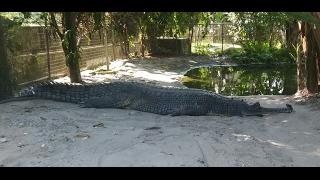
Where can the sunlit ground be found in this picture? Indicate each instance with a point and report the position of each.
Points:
(49, 133)
(212, 47)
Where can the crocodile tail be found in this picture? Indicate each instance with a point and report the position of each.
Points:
(25, 94)
(57, 91)
(287, 109)
(23, 98)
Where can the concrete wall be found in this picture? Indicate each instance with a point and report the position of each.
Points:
(171, 46)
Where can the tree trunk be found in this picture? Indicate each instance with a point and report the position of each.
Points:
(106, 48)
(113, 45)
(270, 40)
(301, 68)
(271, 33)
(6, 88)
(191, 36)
(127, 43)
(292, 36)
(142, 43)
(317, 40)
(70, 46)
(311, 55)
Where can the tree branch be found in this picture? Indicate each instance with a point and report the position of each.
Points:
(55, 25)
(79, 16)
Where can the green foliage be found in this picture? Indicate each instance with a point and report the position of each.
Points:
(186, 20)
(260, 32)
(170, 23)
(261, 35)
(16, 18)
(72, 55)
(258, 27)
(205, 49)
(219, 17)
(151, 25)
(233, 51)
(266, 55)
(11, 22)
(303, 16)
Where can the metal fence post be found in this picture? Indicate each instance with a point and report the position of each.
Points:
(212, 34)
(106, 47)
(48, 51)
(222, 37)
(113, 46)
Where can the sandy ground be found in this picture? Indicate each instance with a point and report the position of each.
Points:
(48, 133)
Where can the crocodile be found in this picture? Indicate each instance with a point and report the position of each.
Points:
(146, 97)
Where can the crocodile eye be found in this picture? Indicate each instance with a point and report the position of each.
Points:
(257, 104)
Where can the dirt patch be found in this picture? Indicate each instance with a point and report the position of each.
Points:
(48, 133)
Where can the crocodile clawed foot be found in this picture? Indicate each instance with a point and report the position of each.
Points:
(174, 114)
(290, 107)
(259, 115)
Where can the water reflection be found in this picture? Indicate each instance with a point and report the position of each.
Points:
(244, 80)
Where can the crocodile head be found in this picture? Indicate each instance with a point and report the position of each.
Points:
(29, 91)
(257, 110)
(252, 110)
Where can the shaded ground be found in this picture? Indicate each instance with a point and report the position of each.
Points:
(48, 133)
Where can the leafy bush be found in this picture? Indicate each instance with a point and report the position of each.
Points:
(259, 54)
(203, 49)
(232, 51)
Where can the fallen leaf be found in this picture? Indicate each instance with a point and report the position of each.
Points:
(98, 125)
(152, 128)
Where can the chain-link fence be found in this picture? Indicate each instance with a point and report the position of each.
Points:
(215, 37)
(40, 56)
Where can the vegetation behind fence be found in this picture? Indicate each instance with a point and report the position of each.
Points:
(34, 60)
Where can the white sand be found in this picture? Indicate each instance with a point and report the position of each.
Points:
(48, 133)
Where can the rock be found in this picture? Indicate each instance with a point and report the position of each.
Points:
(82, 135)
(28, 110)
(42, 118)
(166, 153)
(20, 145)
(67, 139)
(132, 113)
(3, 140)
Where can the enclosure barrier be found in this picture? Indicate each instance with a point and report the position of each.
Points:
(40, 55)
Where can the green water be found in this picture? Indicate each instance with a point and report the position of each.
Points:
(244, 80)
